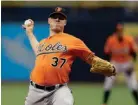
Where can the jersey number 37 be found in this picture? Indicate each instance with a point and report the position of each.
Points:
(56, 61)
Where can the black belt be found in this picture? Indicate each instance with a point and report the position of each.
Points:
(47, 88)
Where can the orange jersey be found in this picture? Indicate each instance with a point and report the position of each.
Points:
(55, 57)
(120, 51)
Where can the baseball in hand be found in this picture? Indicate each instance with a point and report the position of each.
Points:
(28, 22)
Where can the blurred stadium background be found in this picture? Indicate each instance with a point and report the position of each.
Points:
(91, 21)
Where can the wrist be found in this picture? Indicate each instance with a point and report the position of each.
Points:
(29, 33)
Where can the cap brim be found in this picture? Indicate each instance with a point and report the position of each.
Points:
(59, 13)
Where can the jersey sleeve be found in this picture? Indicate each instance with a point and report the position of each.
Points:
(42, 41)
(133, 46)
(82, 51)
(107, 47)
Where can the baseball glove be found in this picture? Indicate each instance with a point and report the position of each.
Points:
(103, 67)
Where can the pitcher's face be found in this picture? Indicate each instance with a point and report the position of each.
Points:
(57, 23)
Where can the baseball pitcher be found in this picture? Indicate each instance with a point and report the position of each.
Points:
(121, 50)
(54, 58)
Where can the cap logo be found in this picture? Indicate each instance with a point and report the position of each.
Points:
(58, 9)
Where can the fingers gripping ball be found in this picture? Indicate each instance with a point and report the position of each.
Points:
(103, 67)
(28, 25)
(28, 22)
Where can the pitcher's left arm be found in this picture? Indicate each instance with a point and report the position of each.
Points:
(98, 65)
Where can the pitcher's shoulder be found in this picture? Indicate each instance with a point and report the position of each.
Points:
(71, 37)
(42, 40)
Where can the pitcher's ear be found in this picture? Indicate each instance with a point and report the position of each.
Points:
(65, 22)
(49, 20)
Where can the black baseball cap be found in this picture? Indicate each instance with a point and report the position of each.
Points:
(58, 14)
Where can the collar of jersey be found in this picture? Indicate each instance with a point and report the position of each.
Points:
(54, 35)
